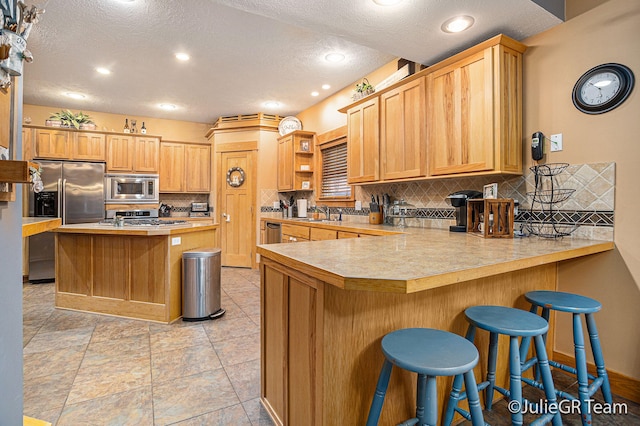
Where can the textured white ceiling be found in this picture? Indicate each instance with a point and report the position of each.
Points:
(244, 52)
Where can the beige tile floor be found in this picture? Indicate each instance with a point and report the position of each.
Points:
(86, 369)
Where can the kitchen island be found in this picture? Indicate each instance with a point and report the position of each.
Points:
(327, 304)
(130, 271)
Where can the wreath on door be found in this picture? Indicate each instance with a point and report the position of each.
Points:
(235, 176)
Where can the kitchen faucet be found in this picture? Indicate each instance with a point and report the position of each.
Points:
(326, 212)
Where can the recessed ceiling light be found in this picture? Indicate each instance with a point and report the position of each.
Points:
(334, 57)
(74, 95)
(271, 104)
(168, 107)
(182, 56)
(315, 93)
(457, 24)
(326, 87)
(104, 71)
(386, 2)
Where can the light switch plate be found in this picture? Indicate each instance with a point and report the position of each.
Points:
(176, 241)
(556, 142)
(358, 205)
(276, 204)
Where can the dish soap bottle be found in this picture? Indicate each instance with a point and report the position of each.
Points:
(143, 129)
(126, 125)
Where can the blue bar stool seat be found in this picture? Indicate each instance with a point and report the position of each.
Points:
(514, 323)
(429, 353)
(576, 305)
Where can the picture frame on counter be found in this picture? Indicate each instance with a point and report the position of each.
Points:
(304, 145)
(306, 184)
(490, 191)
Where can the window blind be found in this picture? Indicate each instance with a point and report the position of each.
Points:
(334, 172)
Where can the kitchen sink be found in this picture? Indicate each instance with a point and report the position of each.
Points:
(310, 219)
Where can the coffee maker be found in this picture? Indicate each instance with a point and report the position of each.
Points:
(459, 201)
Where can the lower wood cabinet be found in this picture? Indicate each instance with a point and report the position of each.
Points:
(291, 371)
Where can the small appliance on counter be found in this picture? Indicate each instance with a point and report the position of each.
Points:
(459, 201)
(165, 210)
(302, 207)
(199, 210)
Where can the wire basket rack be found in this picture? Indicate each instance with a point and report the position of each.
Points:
(546, 193)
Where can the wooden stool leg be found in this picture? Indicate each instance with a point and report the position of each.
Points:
(515, 385)
(491, 369)
(598, 358)
(456, 388)
(581, 368)
(473, 399)
(381, 391)
(547, 380)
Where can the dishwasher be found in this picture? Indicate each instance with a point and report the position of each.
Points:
(273, 233)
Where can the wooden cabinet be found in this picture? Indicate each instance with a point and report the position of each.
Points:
(403, 139)
(295, 161)
(318, 234)
(119, 153)
(475, 114)
(61, 144)
(460, 116)
(291, 340)
(197, 160)
(363, 137)
(52, 144)
(294, 233)
(88, 146)
(185, 167)
(133, 154)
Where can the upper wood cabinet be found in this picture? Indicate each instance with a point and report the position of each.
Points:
(296, 161)
(88, 146)
(62, 144)
(403, 139)
(171, 167)
(185, 167)
(53, 143)
(363, 137)
(197, 160)
(474, 112)
(462, 115)
(133, 154)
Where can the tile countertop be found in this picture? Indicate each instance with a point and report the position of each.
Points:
(95, 228)
(36, 225)
(421, 259)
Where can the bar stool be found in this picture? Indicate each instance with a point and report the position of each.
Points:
(576, 305)
(514, 323)
(429, 353)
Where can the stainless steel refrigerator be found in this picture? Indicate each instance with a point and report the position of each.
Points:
(74, 192)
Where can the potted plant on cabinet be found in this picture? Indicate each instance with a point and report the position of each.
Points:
(66, 118)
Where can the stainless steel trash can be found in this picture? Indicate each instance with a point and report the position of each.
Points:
(201, 284)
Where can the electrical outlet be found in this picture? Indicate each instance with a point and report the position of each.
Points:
(176, 241)
(556, 142)
(358, 205)
(276, 204)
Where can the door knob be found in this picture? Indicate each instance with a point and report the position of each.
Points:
(227, 217)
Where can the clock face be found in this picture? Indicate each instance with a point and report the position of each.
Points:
(603, 88)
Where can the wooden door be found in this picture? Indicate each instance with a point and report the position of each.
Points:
(119, 153)
(146, 155)
(237, 210)
(461, 121)
(171, 167)
(197, 160)
(52, 144)
(403, 139)
(363, 134)
(89, 146)
(285, 163)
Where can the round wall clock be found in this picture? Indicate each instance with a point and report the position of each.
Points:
(603, 88)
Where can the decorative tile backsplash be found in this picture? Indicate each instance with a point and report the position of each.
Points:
(182, 202)
(591, 205)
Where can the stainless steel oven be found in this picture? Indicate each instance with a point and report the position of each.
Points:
(133, 189)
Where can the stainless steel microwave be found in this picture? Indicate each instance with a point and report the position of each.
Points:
(133, 189)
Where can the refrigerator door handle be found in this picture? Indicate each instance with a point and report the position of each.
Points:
(64, 196)
(59, 188)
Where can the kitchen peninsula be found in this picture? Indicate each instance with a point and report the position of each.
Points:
(326, 305)
(131, 271)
